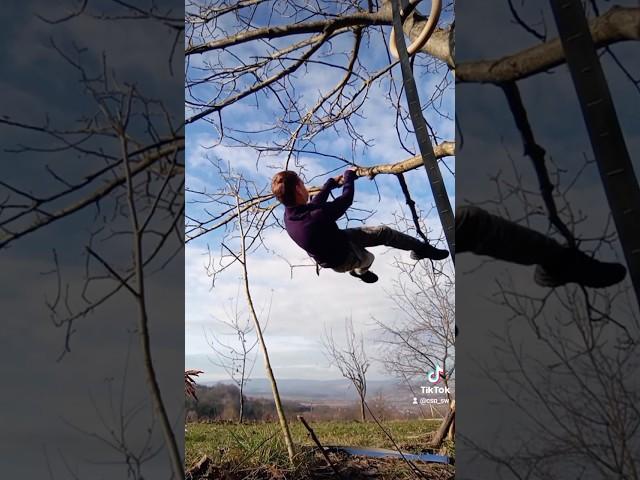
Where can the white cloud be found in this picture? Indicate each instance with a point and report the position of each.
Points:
(303, 304)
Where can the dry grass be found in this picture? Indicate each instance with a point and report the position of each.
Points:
(257, 451)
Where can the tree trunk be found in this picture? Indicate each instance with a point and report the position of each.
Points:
(444, 426)
(272, 379)
(171, 443)
(263, 346)
(452, 430)
(616, 171)
(241, 412)
(363, 416)
(242, 381)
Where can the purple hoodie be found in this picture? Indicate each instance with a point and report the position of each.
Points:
(313, 226)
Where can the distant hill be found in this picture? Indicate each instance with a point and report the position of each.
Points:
(325, 392)
(318, 399)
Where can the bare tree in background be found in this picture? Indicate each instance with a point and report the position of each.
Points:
(129, 178)
(239, 242)
(235, 355)
(574, 391)
(338, 40)
(567, 373)
(422, 338)
(351, 360)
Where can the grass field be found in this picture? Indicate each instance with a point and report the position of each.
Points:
(259, 445)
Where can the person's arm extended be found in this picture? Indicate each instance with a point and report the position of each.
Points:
(321, 197)
(339, 206)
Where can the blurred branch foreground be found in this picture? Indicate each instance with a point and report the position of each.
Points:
(101, 186)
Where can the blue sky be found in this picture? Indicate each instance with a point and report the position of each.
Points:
(305, 305)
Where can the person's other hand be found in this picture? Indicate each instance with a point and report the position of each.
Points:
(350, 173)
(339, 179)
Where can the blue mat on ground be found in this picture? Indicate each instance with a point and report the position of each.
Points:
(386, 453)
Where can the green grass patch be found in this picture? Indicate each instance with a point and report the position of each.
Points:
(262, 443)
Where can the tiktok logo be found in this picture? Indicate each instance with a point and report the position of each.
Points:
(435, 375)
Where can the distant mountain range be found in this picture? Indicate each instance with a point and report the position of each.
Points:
(329, 392)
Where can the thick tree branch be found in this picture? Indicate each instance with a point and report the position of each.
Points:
(353, 20)
(196, 228)
(148, 160)
(437, 46)
(445, 149)
(617, 25)
(537, 154)
(264, 83)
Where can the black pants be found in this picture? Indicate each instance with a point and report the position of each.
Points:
(360, 259)
(482, 233)
(477, 231)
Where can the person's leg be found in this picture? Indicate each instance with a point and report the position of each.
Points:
(482, 233)
(358, 263)
(364, 259)
(383, 235)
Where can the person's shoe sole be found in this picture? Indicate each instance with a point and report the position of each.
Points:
(432, 254)
(367, 277)
(543, 279)
(616, 274)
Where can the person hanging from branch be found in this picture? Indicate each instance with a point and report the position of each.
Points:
(482, 233)
(312, 226)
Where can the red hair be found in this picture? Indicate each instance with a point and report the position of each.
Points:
(283, 186)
